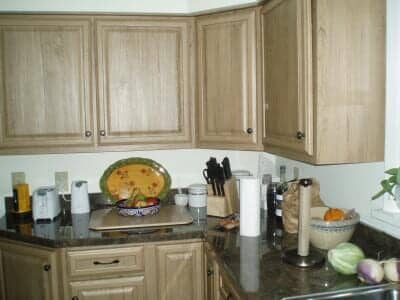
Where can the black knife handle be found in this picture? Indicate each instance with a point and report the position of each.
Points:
(206, 176)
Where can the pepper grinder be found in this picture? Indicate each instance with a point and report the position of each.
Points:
(303, 256)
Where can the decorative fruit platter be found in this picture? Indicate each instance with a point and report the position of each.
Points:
(136, 185)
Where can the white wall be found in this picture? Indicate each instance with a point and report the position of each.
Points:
(347, 185)
(184, 166)
(122, 6)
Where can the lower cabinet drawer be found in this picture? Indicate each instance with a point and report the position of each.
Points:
(131, 288)
(105, 261)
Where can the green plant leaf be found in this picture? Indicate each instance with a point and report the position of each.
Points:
(392, 179)
(398, 176)
(393, 171)
(378, 194)
(387, 187)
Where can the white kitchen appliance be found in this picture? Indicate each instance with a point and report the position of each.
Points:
(79, 197)
(45, 203)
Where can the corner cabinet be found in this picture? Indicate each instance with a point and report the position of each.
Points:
(45, 82)
(228, 99)
(145, 83)
(28, 272)
(180, 271)
(324, 79)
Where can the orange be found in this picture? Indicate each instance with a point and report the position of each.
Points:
(334, 214)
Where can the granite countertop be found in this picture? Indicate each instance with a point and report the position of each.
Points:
(73, 230)
(253, 264)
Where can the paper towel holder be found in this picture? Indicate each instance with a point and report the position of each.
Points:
(302, 256)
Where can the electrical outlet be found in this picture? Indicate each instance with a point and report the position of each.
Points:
(61, 181)
(17, 177)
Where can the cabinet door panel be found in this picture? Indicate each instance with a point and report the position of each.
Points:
(144, 81)
(227, 71)
(180, 272)
(131, 288)
(287, 75)
(17, 262)
(45, 81)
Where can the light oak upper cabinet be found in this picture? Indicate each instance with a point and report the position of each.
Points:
(45, 82)
(28, 273)
(180, 271)
(323, 79)
(145, 68)
(227, 89)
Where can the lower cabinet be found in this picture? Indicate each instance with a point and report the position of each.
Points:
(218, 284)
(172, 270)
(131, 288)
(28, 273)
(180, 271)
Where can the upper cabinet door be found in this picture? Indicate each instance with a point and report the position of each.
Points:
(227, 89)
(144, 78)
(287, 76)
(45, 81)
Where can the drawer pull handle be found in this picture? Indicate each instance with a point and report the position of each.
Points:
(116, 261)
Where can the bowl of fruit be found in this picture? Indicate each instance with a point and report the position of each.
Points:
(138, 205)
(331, 226)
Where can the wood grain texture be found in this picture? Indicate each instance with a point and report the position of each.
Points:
(45, 77)
(131, 288)
(287, 72)
(81, 263)
(227, 92)
(350, 76)
(18, 261)
(346, 123)
(144, 76)
(180, 271)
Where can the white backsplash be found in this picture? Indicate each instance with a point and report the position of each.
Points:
(184, 166)
(348, 185)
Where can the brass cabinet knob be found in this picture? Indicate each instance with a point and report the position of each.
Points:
(88, 133)
(102, 132)
(249, 130)
(300, 135)
(210, 272)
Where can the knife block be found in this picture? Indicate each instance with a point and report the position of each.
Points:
(223, 206)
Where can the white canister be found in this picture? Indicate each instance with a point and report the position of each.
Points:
(198, 202)
(79, 197)
(197, 195)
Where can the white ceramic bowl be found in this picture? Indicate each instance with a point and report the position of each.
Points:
(328, 234)
(181, 199)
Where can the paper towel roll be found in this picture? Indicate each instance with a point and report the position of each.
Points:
(250, 263)
(250, 206)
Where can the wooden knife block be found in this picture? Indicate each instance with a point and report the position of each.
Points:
(223, 206)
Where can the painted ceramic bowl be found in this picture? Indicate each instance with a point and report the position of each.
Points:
(137, 211)
(328, 234)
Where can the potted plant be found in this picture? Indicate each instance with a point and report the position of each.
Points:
(393, 182)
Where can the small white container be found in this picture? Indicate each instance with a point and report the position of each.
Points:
(198, 202)
(198, 195)
(181, 199)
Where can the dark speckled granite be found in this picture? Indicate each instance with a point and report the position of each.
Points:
(256, 267)
(253, 264)
(72, 231)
